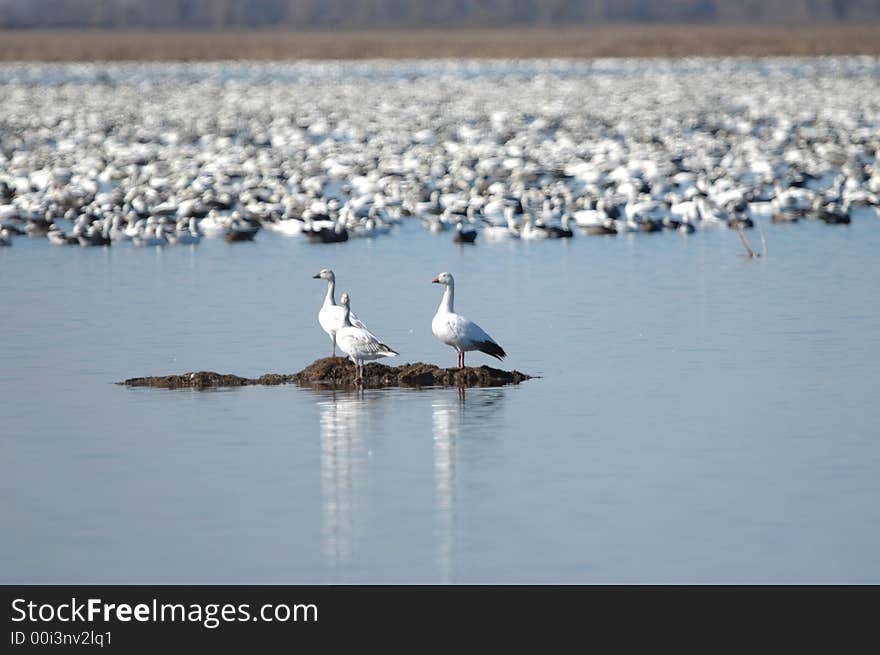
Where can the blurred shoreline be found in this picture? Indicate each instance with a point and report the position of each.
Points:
(604, 41)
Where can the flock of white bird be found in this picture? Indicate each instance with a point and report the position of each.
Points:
(354, 339)
(165, 154)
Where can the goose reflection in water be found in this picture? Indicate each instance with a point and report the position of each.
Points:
(452, 417)
(348, 423)
(345, 420)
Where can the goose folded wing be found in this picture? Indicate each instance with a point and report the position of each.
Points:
(364, 342)
(356, 322)
(473, 335)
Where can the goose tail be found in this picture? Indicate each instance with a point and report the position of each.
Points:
(387, 351)
(492, 348)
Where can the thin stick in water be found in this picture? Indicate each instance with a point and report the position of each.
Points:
(763, 242)
(745, 241)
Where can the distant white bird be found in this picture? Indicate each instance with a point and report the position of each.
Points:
(117, 231)
(455, 330)
(330, 316)
(358, 343)
(532, 232)
(590, 218)
(135, 228)
(186, 233)
(286, 226)
(213, 225)
(508, 231)
(153, 235)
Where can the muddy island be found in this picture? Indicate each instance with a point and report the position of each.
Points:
(338, 373)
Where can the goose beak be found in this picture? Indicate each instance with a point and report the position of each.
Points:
(436, 280)
(316, 276)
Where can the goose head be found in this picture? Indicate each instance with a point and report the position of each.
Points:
(444, 278)
(324, 274)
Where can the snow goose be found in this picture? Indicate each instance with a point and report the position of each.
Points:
(39, 226)
(95, 235)
(794, 199)
(431, 205)
(336, 234)
(186, 234)
(834, 213)
(153, 236)
(59, 238)
(606, 227)
(455, 330)
(135, 226)
(434, 223)
(563, 232)
(213, 225)
(330, 315)
(358, 343)
(590, 218)
(15, 230)
(286, 226)
(532, 232)
(240, 230)
(709, 212)
(464, 235)
(596, 221)
(495, 211)
(508, 231)
(117, 231)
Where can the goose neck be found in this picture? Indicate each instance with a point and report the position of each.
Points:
(330, 298)
(446, 303)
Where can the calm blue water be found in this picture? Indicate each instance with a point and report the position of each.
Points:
(701, 417)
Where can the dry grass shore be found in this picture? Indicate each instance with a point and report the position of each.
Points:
(608, 41)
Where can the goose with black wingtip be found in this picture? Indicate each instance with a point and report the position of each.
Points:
(457, 331)
(358, 343)
(330, 316)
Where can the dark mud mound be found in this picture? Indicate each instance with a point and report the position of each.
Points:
(338, 373)
(198, 380)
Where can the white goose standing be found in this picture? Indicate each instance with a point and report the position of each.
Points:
(330, 315)
(358, 343)
(455, 330)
